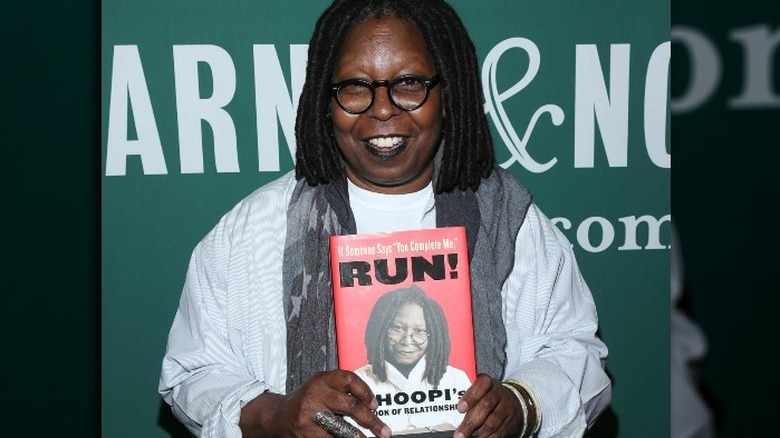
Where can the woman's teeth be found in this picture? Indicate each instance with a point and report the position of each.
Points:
(385, 142)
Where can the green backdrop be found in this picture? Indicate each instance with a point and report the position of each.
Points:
(197, 100)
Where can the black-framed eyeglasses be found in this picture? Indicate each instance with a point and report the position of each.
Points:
(356, 96)
(397, 333)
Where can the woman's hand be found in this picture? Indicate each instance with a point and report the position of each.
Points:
(490, 408)
(292, 415)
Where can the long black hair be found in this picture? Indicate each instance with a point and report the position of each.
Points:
(467, 154)
(383, 313)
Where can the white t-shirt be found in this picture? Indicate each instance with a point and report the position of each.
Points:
(376, 212)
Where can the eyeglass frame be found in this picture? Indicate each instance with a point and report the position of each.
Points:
(428, 83)
(406, 332)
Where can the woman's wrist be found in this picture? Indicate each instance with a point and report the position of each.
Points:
(523, 408)
(531, 414)
(254, 420)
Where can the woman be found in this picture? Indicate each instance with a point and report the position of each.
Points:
(391, 134)
(408, 346)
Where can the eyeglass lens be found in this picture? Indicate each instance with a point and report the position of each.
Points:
(398, 333)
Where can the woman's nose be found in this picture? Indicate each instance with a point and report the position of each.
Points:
(383, 107)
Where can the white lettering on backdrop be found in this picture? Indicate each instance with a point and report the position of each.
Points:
(593, 103)
(272, 101)
(598, 102)
(597, 234)
(128, 89)
(192, 110)
(495, 109)
(760, 47)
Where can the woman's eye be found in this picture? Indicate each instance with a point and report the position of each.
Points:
(409, 85)
(354, 90)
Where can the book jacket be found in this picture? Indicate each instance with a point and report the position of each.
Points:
(402, 304)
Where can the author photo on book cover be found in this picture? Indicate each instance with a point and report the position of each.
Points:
(391, 134)
(408, 348)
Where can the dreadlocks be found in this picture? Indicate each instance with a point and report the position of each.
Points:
(382, 315)
(467, 146)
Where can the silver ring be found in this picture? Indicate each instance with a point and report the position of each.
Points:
(336, 425)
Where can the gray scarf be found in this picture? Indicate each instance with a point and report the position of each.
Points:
(492, 216)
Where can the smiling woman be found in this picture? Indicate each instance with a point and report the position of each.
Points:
(402, 325)
(408, 346)
(391, 135)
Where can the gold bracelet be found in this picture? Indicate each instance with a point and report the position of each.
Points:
(523, 407)
(534, 413)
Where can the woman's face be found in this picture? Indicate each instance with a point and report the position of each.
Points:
(407, 337)
(387, 149)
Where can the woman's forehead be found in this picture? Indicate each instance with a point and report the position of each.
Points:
(384, 41)
(408, 309)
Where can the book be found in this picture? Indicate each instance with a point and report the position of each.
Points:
(403, 318)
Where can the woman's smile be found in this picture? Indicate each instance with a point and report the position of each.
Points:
(386, 147)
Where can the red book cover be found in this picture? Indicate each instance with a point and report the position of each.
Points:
(404, 322)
